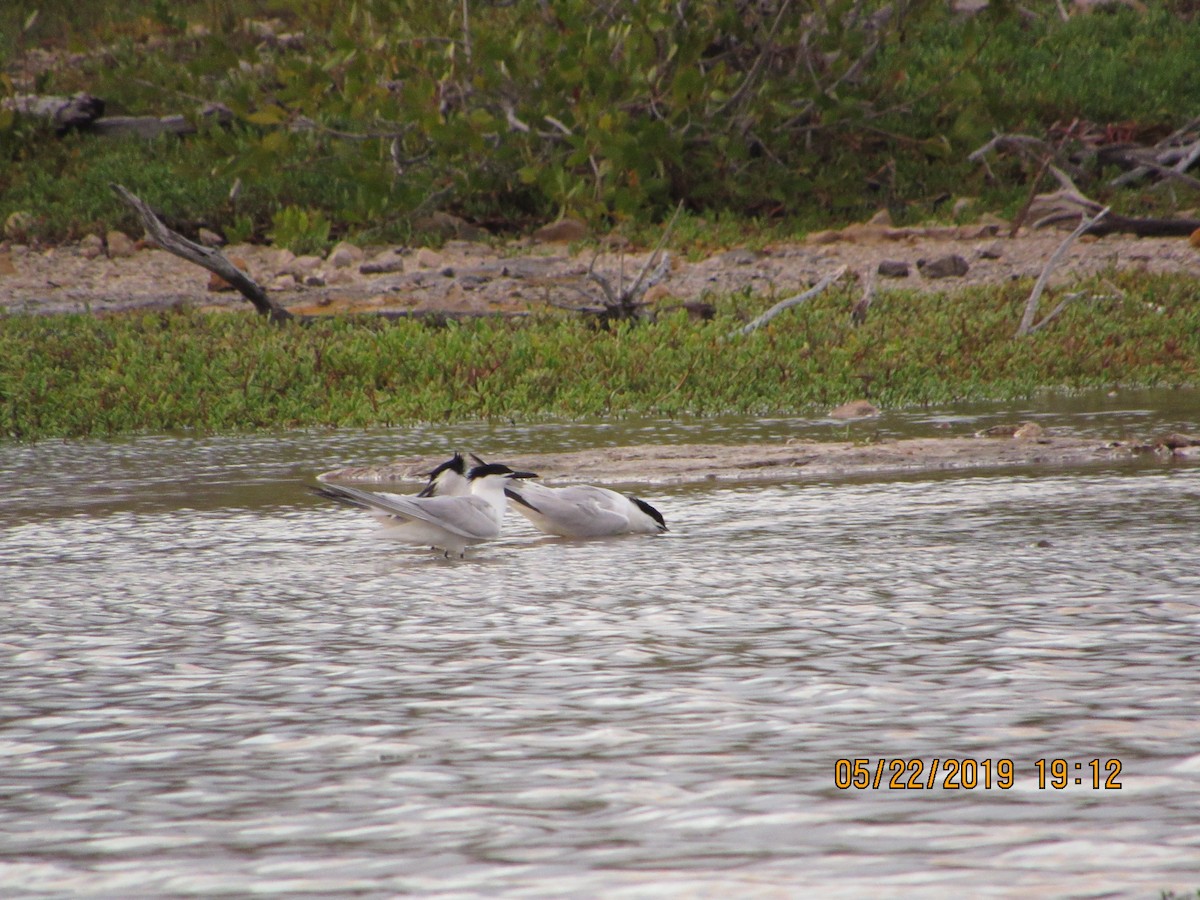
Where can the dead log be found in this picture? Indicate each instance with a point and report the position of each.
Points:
(205, 257)
(64, 113)
(1069, 204)
(1149, 227)
(141, 126)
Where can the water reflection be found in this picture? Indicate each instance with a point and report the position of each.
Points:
(213, 682)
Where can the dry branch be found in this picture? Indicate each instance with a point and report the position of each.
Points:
(1035, 295)
(205, 257)
(858, 314)
(789, 303)
(623, 302)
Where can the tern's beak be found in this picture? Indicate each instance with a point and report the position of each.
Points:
(523, 475)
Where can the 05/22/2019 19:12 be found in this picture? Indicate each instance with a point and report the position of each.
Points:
(954, 773)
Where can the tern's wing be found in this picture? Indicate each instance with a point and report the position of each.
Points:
(466, 516)
(472, 517)
(577, 511)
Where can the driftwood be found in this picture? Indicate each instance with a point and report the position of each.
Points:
(205, 257)
(1035, 295)
(789, 303)
(64, 113)
(141, 126)
(1068, 204)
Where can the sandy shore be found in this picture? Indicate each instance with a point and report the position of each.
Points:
(704, 463)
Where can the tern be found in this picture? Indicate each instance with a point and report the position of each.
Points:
(449, 524)
(582, 510)
(449, 479)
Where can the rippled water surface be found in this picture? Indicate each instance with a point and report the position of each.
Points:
(213, 682)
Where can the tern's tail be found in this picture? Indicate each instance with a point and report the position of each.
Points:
(351, 497)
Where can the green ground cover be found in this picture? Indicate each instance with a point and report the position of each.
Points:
(81, 375)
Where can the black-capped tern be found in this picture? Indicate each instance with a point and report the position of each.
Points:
(449, 524)
(582, 510)
(448, 480)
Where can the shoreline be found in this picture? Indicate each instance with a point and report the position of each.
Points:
(688, 464)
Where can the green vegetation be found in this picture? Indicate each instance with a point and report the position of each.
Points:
(356, 120)
(509, 114)
(85, 375)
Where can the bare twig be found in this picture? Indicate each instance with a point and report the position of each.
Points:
(858, 314)
(205, 257)
(1009, 142)
(663, 263)
(740, 91)
(466, 30)
(1053, 314)
(622, 301)
(789, 303)
(1019, 219)
(1035, 295)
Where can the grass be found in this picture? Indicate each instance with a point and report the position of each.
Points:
(76, 376)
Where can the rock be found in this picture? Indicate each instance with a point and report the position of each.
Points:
(91, 246)
(1176, 440)
(282, 264)
(341, 276)
(699, 310)
(1029, 431)
(893, 268)
(949, 266)
(219, 114)
(282, 283)
(428, 259)
(314, 279)
(1023, 431)
(855, 409)
(120, 245)
(656, 293)
(17, 225)
(344, 255)
(383, 264)
(563, 230)
(883, 217)
(824, 237)
(738, 257)
(217, 284)
(303, 265)
(991, 251)
(210, 238)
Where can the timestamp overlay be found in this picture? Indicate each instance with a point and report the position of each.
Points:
(944, 685)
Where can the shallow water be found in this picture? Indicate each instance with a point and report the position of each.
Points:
(214, 682)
